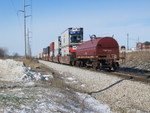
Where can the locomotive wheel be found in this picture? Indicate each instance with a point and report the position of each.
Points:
(100, 66)
(95, 65)
(78, 63)
(81, 64)
(73, 63)
(114, 66)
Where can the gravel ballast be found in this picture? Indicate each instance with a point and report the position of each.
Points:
(127, 96)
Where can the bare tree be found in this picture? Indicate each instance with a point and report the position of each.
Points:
(16, 55)
(3, 52)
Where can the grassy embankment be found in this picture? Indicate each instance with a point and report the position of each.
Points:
(34, 64)
(138, 59)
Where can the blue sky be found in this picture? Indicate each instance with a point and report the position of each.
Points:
(51, 17)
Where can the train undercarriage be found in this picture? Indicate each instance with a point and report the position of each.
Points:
(96, 64)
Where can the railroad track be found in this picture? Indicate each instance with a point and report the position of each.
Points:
(137, 77)
(124, 74)
(131, 75)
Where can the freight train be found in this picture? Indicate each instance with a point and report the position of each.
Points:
(69, 48)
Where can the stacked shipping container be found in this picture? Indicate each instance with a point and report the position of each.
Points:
(99, 52)
(46, 53)
(51, 51)
(64, 47)
(57, 47)
(71, 38)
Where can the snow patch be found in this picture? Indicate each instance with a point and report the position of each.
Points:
(83, 85)
(92, 104)
(11, 70)
(70, 78)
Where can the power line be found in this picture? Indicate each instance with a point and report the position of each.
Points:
(30, 53)
(13, 5)
(16, 12)
(27, 44)
(25, 27)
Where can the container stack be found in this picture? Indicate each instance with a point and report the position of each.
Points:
(51, 51)
(71, 38)
(57, 47)
(46, 53)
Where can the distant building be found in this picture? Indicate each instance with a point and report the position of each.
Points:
(143, 46)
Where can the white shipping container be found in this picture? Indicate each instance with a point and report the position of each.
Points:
(51, 53)
(56, 45)
(39, 56)
(65, 51)
(65, 38)
(56, 52)
(72, 36)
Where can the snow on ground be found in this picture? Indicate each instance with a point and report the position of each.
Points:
(51, 101)
(91, 104)
(11, 70)
(32, 96)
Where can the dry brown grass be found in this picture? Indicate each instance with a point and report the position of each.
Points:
(57, 81)
(29, 62)
(35, 65)
(138, 56)
(137, 60)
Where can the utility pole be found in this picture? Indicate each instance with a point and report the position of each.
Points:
(25, 32)
(25, 41)
(127, 41)
(28, 44)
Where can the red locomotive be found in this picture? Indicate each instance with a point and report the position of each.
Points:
(99, 52)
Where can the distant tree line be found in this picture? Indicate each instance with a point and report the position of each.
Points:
(3, 52)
